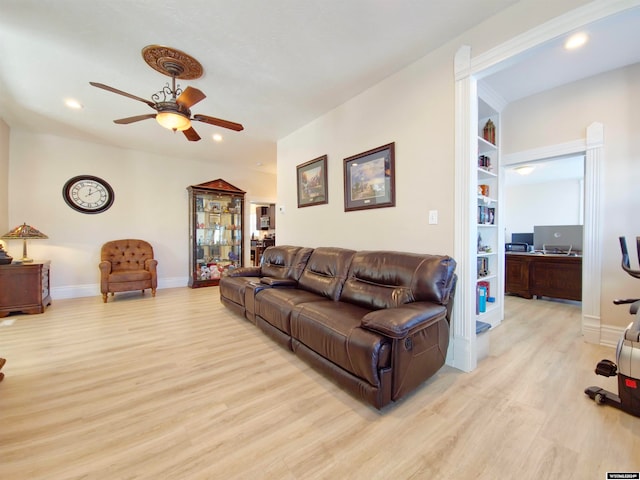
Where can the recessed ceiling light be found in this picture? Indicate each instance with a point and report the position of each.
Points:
(259, 164)
(217, 137)
(71, 103)
(576, 40)
(525, 169)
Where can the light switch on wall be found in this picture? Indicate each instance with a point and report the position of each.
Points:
(433, 217)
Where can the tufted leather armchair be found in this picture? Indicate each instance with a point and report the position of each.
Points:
(127, 265)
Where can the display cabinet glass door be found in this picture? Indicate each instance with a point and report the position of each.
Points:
(216, 234)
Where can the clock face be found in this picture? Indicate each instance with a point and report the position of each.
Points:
(88, 194)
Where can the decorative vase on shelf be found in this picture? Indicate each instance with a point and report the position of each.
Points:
(489, 132)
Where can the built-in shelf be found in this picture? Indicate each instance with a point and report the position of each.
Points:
(484, 173)
(490, 266)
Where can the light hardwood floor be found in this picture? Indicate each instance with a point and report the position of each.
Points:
(177, 387)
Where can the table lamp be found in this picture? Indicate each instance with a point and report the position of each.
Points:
(24, 232)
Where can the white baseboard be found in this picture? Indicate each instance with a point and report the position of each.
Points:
(173, 282)
(75, 291)
(92, 290)
(459, 355)
(609, 335)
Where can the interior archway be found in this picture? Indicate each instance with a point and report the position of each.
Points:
(468, 71)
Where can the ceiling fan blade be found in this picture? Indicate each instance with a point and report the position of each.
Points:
(120, 92)
(219, 122)
(137, 118)
(190, 97)
(191, 134)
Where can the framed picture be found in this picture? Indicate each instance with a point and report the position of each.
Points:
(369, 179)
(211, 206)
(312, 182)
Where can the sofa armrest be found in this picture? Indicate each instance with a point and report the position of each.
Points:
(278, 282)
(401, 321)
(151, 264)
(245, 272)
(105, 270)
(105, 267)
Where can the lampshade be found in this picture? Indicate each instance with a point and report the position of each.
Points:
(173, 121)
(24, 232)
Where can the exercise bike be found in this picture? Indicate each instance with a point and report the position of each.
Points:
(627, 354)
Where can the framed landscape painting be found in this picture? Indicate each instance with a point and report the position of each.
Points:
(369, 179)
(312, 182)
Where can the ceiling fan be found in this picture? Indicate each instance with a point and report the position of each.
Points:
(172, 104)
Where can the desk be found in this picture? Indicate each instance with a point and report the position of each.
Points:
(556, 276)
(24, 287)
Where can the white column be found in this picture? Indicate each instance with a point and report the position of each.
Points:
(463, 354)
(592, 248)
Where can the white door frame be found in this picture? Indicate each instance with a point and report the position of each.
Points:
(468, 71)
(592, 147)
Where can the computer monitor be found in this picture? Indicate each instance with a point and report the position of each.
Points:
(522, 238)
(558, 238)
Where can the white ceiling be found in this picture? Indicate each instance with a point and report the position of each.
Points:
(271, 65)
(547, 170)
(614, 42)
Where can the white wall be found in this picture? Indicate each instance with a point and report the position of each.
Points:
(415, 109)
(398, 110)
(4, 178)
(550, 203)
(151, 203)
(562, 115)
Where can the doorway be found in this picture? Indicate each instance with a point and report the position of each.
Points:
(468, 72)
(262, 222)
(543, 198)
(545, 191)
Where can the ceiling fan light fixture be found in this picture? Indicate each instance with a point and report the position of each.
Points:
(173, 121)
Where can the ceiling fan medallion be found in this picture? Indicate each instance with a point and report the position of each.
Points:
(172, 62)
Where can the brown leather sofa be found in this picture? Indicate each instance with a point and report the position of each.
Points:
(376, 322)
(127, 265)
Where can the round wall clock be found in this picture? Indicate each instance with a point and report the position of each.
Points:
(88, 194)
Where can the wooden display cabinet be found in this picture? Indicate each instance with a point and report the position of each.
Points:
(216, 231)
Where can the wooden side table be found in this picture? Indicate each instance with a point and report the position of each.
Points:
(24, 287)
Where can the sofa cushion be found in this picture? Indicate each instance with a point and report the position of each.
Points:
(274, 305)
(385, 279)
(326, 271)
(284, 261)
(129, 276)
(233, 288)
(332, 329)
